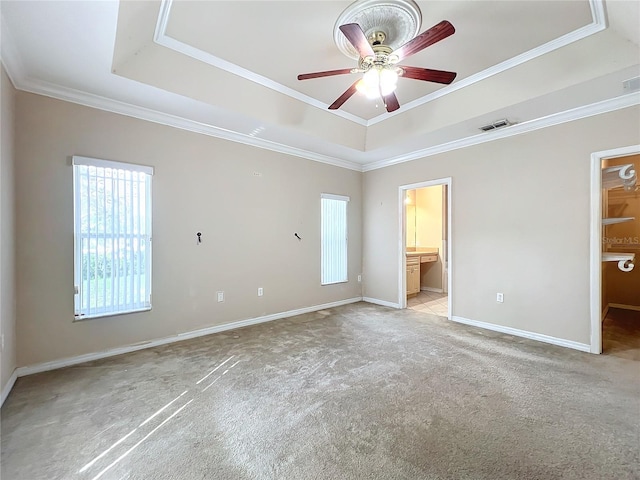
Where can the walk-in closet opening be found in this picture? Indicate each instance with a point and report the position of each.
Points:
(620, 287)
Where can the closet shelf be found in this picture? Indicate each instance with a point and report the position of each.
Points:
(619, 176)
(612, 221)
(625, 260)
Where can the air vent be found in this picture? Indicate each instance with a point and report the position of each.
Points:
(631, 85)
(497, 124)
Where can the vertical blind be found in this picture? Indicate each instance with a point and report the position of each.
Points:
(112, 237)
(333, 234)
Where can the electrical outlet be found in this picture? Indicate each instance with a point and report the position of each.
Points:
(221, 296)
(359, 278)
(499, 297)
(260, 291)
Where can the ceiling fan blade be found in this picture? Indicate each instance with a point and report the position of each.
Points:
(391, 102)
(436, 33)
(327, 73)
(344, 97)
(428, 75)
(356, 36)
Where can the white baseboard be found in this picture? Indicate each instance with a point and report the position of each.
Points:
(384, 303)
(583, 347)
(624, 307)
(66, 362)
(6, 389)
(430, 289)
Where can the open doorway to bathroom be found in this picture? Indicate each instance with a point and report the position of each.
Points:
(426, 249)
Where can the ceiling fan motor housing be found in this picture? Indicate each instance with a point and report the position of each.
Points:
(384, 22)
(377, 37)
(383, 59)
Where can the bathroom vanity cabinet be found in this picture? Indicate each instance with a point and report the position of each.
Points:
(414, 261)
(413, 275)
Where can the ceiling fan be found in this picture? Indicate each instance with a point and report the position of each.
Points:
(378, 63)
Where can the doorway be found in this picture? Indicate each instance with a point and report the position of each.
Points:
(425, 278)
(615, 252)
(621, 250)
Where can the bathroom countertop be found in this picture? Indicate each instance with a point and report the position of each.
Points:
(422, 251)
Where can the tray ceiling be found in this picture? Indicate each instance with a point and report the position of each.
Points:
(277, 41)
(214, 68)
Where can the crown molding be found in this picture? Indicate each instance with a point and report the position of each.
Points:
(597, 24)
(598, 108)
(14, 67)
(143, 113)
(10, 59)
(115, 106)
(161, 38)
(598, 13)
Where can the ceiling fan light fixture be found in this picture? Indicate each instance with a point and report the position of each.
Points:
(368, 89)
(378, 81)
(388, 80)
(377, 54)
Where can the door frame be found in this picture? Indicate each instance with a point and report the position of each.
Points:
(596, 239)
(402, 239)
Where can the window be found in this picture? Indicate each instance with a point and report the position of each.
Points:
(333, 234)
(112, 237)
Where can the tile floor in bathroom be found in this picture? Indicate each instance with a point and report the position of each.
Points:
(429, 302)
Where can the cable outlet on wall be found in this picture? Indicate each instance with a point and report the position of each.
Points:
(260, 291)
(220, 296)
(499, 297)
(359, 278)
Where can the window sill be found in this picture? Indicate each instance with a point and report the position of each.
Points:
(82, 318)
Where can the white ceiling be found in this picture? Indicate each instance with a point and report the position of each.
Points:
(228, 68)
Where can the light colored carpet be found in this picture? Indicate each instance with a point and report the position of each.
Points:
(357, 392)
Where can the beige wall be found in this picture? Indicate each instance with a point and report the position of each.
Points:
(200, 184)
(429, 233)
(623, 288)
(517, 228)
(7, 271)
(520, 224)
(410, 218)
